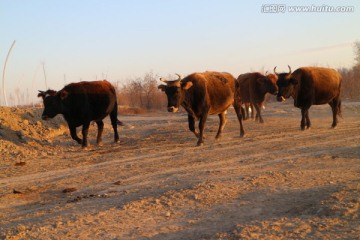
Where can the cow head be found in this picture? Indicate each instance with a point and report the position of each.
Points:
(175, 92)
(286, 84)
(268, 83)
(52, 102)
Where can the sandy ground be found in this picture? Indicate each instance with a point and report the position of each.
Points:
(275, 183)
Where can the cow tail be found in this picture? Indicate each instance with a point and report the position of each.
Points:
(120, 123)
(339, 109)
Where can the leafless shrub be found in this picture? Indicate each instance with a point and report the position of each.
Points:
(140, 93)
(351, 77)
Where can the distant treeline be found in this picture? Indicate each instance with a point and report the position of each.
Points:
(142, 94)
(351, 77)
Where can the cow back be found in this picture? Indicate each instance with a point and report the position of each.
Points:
(213, 91)
(317, 85)
(93, 100)
(246, 87)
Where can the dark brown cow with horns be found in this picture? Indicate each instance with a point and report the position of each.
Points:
(80, 103)
(251, 88)
(311, 86)
(202, 94)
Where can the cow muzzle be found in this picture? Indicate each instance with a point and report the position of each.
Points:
(173, 109)
(281, 98)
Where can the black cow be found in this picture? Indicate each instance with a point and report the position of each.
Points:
(202, 94)
(80, 103)
(311, 86)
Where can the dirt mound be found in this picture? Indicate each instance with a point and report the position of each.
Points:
(22, 131)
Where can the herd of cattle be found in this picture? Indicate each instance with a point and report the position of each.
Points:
(200, 94)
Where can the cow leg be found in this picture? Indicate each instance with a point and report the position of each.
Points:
(258, 113)
(252, 110)
(308, 122)
(305, 120)
(85, 130)
(223, 121)
(114, 123)
(239, 113)
(335, 107)
(246, 115)
(74, 135)
(202, 121)
(191, 121)
(100, 125)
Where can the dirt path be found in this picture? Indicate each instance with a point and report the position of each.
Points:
(276, 183)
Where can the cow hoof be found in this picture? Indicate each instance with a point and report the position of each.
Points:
(85, 147)
(199, 144)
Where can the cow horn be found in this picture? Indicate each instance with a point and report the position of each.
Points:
(266, 73)
(289, 69)
(178, 76)
(163, 80)
(275, 71)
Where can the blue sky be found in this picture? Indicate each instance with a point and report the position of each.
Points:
(124, 39)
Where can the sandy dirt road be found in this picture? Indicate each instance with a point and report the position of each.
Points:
(275, 183)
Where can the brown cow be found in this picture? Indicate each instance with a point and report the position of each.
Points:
(80, 103)
(202, 94)
(252, 88)
(311, 86)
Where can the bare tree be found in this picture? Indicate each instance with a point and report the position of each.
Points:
(350, 86)
(141, 93)
(133, 92)
(149, 88)
(17, 96)
(43, 65)
(357, 53)
(3, 77)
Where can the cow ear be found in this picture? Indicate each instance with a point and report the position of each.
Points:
(41, 94)
(294, 81)
(162, 87)
(187, 85)
(63, 94)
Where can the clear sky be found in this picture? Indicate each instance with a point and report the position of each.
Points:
(121, 39)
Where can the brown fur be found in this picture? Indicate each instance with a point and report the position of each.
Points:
(202, 94)
(311, 86)
(252, 88)
(80, 103)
